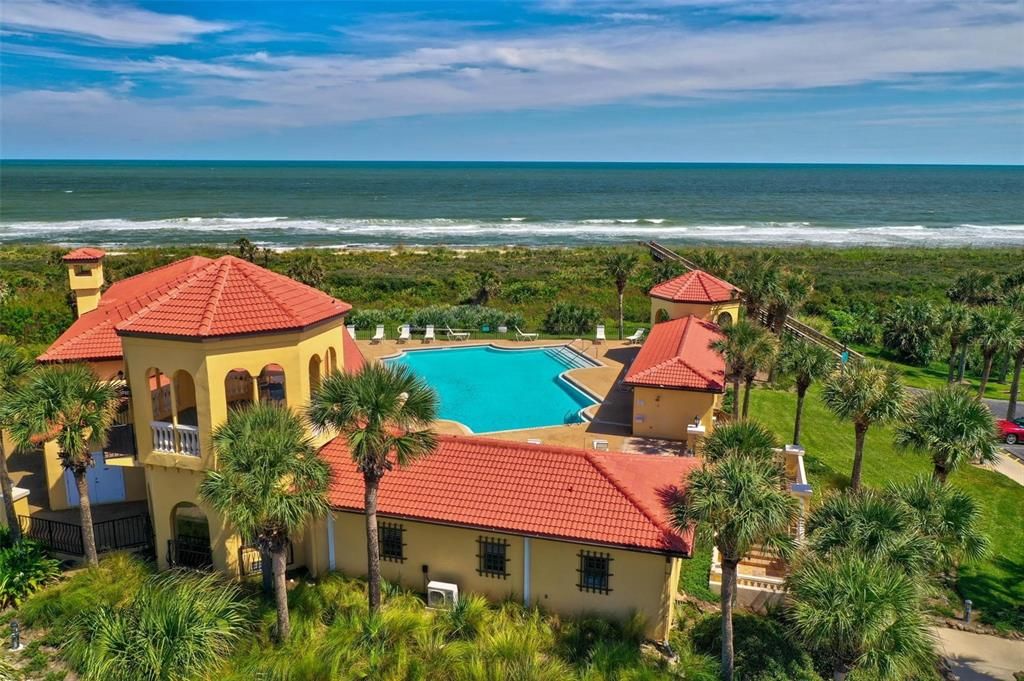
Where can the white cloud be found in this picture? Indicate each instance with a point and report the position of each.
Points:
(114, 24)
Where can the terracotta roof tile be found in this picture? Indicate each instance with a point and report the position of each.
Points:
(595, 497)
(84, 255)
(352, 355)
(678, 354)
(696, 287)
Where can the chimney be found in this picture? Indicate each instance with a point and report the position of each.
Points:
(85, 275)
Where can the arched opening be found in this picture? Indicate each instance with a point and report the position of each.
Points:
(159, 394)
(270, 385)
(190, 543)
(332, 360)
(314, 374)
(238, 388)
(661, 315)
(724, 319)
(185, 398)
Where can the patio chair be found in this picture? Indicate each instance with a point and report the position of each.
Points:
(526, 336)
(351, 328)
(601, 445)
(404, 333)
(428, 335)
(533, 441)
(599, 336)
(636, 337)
(378, 335)
(456, 335)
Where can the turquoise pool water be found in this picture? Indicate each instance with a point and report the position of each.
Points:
(489, 389)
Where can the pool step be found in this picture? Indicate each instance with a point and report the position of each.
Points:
(568, 358)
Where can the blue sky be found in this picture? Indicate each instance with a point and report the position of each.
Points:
(897, 81)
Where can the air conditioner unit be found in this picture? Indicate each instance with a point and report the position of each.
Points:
(442, 594)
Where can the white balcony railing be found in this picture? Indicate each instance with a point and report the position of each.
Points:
(171, 439)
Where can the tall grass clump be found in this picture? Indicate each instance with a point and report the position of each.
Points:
(25, 568)
(178, 626)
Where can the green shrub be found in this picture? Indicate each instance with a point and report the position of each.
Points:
(566, 319)
(367, 319)
(763, 650)
(178, 625)
(910, 331)
(853, 327)
(24, 568)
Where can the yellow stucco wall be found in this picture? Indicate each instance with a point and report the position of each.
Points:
(57, 492)
(709, 312)
(640, 582)
(665, 414)
(20, 505)
(86, 280)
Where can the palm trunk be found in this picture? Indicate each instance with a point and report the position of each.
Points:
(267, 569)
(85, 508)
(940, 473)
(859, 431)
(989, 356)
(1011, 406)
(728, 595)
(963, 362)
(735, 397)
(748, 383)
(801, 393)
(620, 316)
(7, 488)
(372, 544)
(280, 559)
(839, 672)
(952, 362)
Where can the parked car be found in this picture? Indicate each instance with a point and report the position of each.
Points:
(1012, 431)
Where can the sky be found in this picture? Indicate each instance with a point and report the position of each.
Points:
(856, 81)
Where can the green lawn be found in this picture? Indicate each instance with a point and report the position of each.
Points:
(934, 375)
(996, 585)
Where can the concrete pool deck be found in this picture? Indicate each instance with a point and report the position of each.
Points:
(611, 417)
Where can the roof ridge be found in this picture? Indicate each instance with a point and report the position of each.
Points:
(174, 289)
(162, 267)
(214, 299)
(248, 268)
(624, 491)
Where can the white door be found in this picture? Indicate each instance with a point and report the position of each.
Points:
(106, 483)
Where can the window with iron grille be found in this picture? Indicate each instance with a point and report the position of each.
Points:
(493, 557)
(595, 572)
(392, 546)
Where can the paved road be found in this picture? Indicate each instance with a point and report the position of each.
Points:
(998, 408)
(977, 657)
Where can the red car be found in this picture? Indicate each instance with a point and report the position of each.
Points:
(1012, 431)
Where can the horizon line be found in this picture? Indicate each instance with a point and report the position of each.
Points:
(509, 162)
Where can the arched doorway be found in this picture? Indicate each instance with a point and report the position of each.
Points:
(314, 374)
(724, 320)
(190, 545)
(238, 388)
(271, 385)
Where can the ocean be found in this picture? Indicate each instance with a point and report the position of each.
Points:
(382, 204)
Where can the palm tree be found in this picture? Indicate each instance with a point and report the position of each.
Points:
(865, 394)
(957, 320)
(487, 285)
(741, 438)
(70, 405)
(742, 343)
(996, 330)
(14, 368)
(859, 613)
(947, 516)
(759, 279)
(619, 266)
(738, 503)
(951, 425)
(806, 363)
(793, 289)
(385, 412)
(269, 483)
(973, 288)
(760, 357)
(1015, 299)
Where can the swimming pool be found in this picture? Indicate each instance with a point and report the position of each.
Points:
(487, 389)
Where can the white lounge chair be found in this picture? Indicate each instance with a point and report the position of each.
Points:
(526, 336)
(601, 445)
(599, 336)
(456, 335)
(378, 335)
(351, 328)
(636, 338)
(404, 333)
(428, 335)
(533, 441)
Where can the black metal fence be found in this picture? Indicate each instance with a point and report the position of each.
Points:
(192, 554)
(132, 532)
(250, 561)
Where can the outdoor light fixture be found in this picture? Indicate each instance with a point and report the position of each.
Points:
(15, 635)
(967, 610)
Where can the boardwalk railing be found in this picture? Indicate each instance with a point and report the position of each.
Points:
(793, 326)
(133, 532)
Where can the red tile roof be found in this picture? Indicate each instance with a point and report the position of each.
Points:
(352, 356)
(230, 296)
(536, 490)
(92, 336)
(678, 355)
(696, 287)
(251, 299)
(84, 255)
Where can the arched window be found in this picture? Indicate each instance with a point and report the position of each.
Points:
(314, 374)
(332, 360)
(238, 388)
(185, 398)
(724, 320)
(271, 384)
(159, 394)
(661, 315)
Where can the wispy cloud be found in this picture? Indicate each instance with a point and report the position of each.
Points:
(113, 24)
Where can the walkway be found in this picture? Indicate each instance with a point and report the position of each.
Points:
(978, 657)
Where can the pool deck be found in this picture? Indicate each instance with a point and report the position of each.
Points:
(611, 417)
